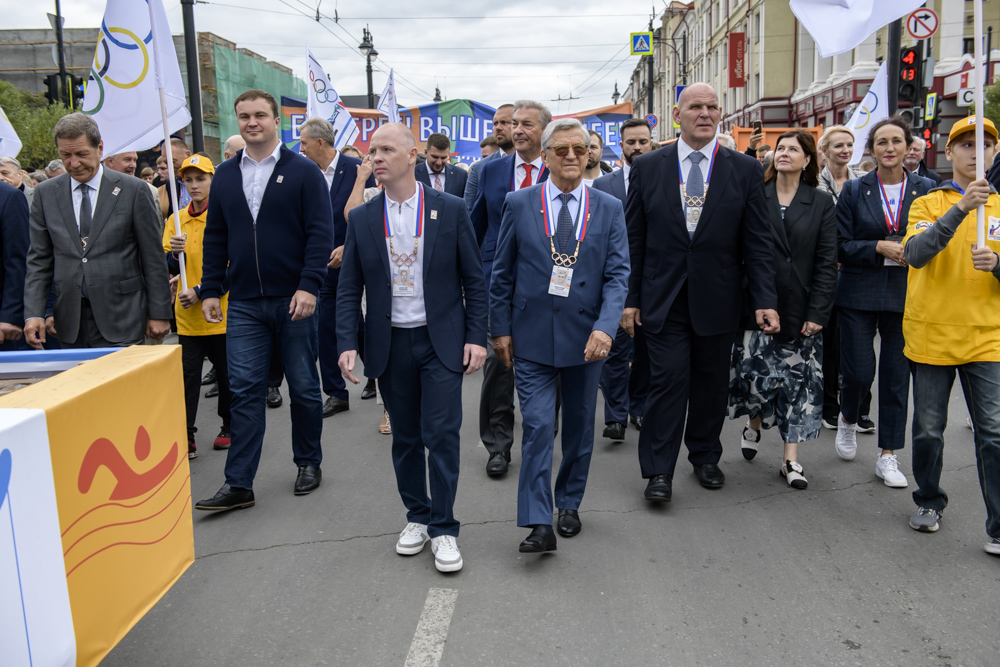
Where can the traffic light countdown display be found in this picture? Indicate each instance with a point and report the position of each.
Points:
(910, 84)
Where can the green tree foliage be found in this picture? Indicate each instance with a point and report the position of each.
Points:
(33, 119)
(991, 101)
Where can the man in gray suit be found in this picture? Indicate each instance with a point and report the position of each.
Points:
(94, 236)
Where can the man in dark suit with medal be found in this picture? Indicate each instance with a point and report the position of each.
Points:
(557, 292)
(412, 251)
(690, 245)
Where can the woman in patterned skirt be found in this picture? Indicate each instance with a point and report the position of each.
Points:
(778, 380)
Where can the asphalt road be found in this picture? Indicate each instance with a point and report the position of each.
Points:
(753, 574)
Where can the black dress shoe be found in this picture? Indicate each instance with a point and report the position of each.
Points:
(710, 476)
(369, 391)
(496, 466)
(273, 397)
(568, 523)
(614, 431)
(540, 540)
(209, 377)
(228, 498)
(308, 480)
(334, 405)
(637, 422)
(659, 489)
(213, 391)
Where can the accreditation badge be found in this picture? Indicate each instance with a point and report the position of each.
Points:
(402, 282)
(692, 217)
(561, 281)
(993, 228)
(895, 238)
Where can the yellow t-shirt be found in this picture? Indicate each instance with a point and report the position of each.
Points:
(191, 321)
(952, 313)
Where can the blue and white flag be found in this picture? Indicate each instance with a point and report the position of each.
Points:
(837, 26)
(388, 104)
(10, 144)
(324, 102)
(135, 56)
(873, 108)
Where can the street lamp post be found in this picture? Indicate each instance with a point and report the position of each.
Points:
(368, 51)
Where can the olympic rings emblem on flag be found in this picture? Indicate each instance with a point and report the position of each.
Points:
(322, 93)
(99, 72)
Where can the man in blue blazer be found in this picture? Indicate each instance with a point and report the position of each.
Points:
(412, 251)
(318, 143)
(437, 171)
(560, 278)
(13, 264)
(625, 376)
(503, 118)
(499, 178)
(266, 224)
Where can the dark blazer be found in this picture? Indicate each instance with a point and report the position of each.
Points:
(805, 259)
(496, 180)
(733, 236)
(613, 184)
(865, 282)
(454, 178)
(13, 253)
(452, 265)
(340, 192)
(993, 175)
(123, 264)
(547, 329)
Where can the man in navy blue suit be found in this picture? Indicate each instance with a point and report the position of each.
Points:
(559, 282)
(625, 376)
(14, 243)
(498, 178)
(318, 143)
(412, 251)
(437, 171)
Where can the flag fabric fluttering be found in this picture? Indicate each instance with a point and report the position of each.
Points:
(837, 26)
(10, 143)
(324, 102)
(388, 104)
(873, 108)
(122, 92)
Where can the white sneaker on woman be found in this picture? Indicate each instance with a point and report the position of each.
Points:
(887, 469)
(847, 439)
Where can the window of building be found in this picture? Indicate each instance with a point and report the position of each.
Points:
(756, 27)
(756, 87)
(725, 54)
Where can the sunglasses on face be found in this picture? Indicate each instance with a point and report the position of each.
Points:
(562, 150)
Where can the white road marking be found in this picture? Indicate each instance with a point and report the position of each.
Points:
(432, 628)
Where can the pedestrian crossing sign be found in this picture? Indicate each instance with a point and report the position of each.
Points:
(642, 43)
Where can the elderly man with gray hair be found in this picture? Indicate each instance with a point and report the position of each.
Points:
(54, 168)
(12, 174)
(560, 276)
(317, 141)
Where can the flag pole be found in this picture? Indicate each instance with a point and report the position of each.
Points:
(171, 184)
(980, 114)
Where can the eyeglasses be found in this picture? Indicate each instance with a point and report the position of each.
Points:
(562, 150)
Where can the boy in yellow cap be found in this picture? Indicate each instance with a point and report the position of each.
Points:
(951, 324)
(198, 338)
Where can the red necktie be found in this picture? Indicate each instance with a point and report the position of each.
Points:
(527, 182)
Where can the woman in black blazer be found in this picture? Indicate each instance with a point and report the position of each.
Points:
(871, 216)
(778, 380)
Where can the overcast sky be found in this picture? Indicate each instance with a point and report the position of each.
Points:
(477, 50)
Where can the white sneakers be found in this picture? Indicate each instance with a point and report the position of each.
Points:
(887, 469)
(412, 539)
(447, 557)
(847, 439)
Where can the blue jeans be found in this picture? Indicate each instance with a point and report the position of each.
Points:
(255, 327)
(931, 390)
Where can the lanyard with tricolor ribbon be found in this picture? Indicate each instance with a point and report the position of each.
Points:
(418, 223)
(551, 220)
(891, 219)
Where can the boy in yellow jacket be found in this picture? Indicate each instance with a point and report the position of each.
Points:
(952, 324)
(199, 339)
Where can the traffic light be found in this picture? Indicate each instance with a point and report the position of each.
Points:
(52, 89)
(910, 79)
(76, 90)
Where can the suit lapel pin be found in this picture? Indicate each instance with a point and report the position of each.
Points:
(281, 178)
(914, 193)
(116, 191)
(868, 193)
(434, 215)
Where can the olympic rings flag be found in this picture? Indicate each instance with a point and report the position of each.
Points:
(388, 104)
(122, 93)
(873, 108)
(323, 101)
(10, 143)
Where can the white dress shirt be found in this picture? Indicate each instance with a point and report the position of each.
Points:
(520, 171)
(331, 171)
(408, 312)
(95, 188)
(555, 205)
(255, 177)
(684, 154)
(626, 169)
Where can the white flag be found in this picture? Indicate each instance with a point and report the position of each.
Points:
(122, 93)
(324, 102)
(10, 144)
(873, 108)
(838, 26)
(387, 104)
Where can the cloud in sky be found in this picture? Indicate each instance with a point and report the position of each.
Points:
(478, 50)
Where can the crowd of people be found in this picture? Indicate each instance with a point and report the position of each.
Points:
(691, 283)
